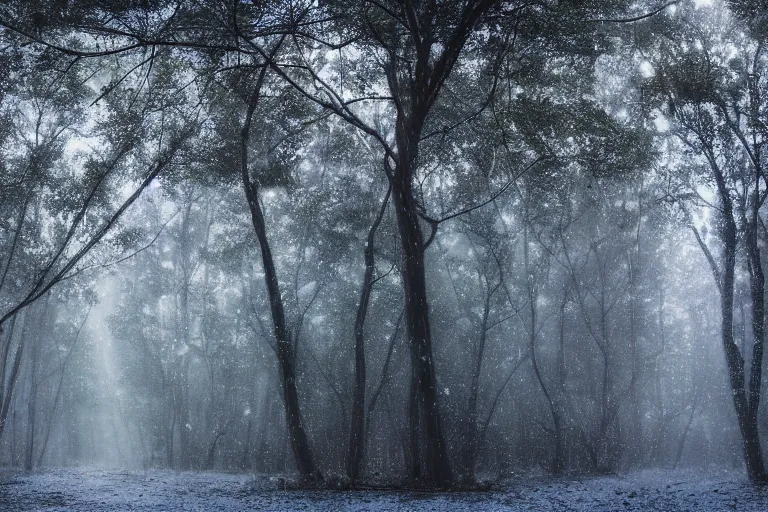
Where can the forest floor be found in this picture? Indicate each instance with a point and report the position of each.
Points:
(156, 490)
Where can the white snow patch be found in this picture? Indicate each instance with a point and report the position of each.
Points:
(101, 491)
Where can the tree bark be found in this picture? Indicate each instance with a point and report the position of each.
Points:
(747, 421)
(284, 347)
(382, 380)
(734, 359)
(357, 428)
(29, 452)
(429, 459)
(470, 447)
(533, 296)
(7, 383)
(757, 290)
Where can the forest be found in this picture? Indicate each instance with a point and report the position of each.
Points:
(384, 243)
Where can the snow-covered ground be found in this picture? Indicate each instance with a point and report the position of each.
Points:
(99, 490)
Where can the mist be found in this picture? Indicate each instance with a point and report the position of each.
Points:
(376, 246)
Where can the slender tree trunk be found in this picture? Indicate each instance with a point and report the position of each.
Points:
(7, 382)
(34, 378)
(607, 455)
(211, 458)
(182, 414)
(414, 461)
(560, 449)
(29, 452)
(357, 428)
(170, 431)
(757, 290)
(686, 430)
(285, 350)
(382, 380)
(557, 461)
(181, 382)
(246, 462)
(15, 430)
(284, 347)
(634, 270)
(470, 445)
(603, 448)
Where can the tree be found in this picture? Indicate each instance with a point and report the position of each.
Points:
(716, 105)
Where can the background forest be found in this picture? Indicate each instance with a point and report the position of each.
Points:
(383, 240)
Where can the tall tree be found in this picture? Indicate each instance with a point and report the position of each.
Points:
(716, 104)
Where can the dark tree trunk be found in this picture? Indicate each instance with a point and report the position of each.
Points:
(7, 382)
(29, 453)
(382, 380)
(357, 429)
(741, 400)
(415, 88)
(557, 461)
(211, 458)
(284, 347)
(34, 379)
(470, 445)
(747, 420)
(429, 459)
(181, 409)
(757, 290)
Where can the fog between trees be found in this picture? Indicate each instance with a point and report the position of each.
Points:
(383, 242)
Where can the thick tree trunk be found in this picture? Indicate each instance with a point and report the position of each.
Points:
(734, 359)
(415, 88)
(743, 400)
(429, 459)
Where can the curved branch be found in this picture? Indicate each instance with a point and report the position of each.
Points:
(635, 18)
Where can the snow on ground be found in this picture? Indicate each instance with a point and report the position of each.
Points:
(100, 490)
